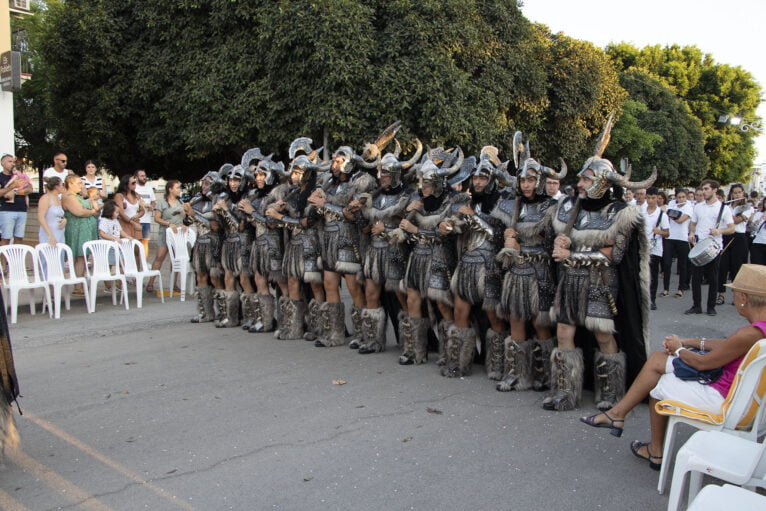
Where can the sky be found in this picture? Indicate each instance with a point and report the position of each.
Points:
(733, 32)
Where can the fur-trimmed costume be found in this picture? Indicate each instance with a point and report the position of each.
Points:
(9, 386)
(206, 254)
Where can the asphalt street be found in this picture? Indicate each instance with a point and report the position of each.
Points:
(141, 409)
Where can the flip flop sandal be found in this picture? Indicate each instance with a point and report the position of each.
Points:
(679, 294)
(636, 445)
(665, 293)
(613, 429)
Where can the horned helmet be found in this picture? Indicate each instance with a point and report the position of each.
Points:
(391, 166)
(302, 146)
(438, 166)
(274, 171)
(305, 168)
(489, 165)
(603, 174)
(526, 166)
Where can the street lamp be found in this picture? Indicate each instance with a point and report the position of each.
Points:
(737, 120)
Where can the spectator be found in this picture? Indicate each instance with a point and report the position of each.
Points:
(641, 199)
(662, 201)
(81, 223)
(627, 196)
(150, 202)
(91, 179)
(169, 214)
(130, 205)
(109, 228)
(553, 188)
(59, 169)
(50, 214)
(13, 209)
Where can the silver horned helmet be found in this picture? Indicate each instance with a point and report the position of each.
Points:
(302, 146)
(602, 173)
(305, 167)
(274, 171)
(490, 166)
(526, 166)
(438, 166)
(390, 165)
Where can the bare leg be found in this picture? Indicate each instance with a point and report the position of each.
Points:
(446, 311)
(372, 292)
(261, 284)
(293, 288)
(332, 286)
(497, 324)
(462, 312)
(414, 304)
(565, 334)
(246, 283)
(318, 291)
(230, 281)
(356, 290)
(606, 343)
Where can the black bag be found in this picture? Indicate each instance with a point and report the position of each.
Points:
(684, 371)
(675, 214)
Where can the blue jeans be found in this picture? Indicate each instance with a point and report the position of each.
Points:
(146, 230)
(12, 224)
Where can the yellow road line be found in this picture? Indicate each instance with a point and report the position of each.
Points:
(8, 503)
(68, 490)
(107, 461)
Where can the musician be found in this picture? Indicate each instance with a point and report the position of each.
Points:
(736, 253)
(657, 229)
(758, 223)
(604, 275)
(679, 212)
(710, 220)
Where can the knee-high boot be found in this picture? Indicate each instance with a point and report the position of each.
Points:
(518, 366)
(566, 375)
(373, 331)
(609, 376)
(541, 359)
(493, 361)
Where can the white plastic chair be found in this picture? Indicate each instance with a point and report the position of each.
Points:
(128, 248)
(741, 413)
(716, 498)
(56, 260)
(179, 245)
(18, 278)
(721, 455)
(99, 269)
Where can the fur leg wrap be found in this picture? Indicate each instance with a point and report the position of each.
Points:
(461, 346)
(334, 319)
(219, 300)
(541, 359)
(231, 306)
(205, 312)
(283, 322)
(312, 321)
(265, 321)
(609, 376)
(566, 375)
(399, 318)
(442, 330)
(405, 337)
(518, 366)
(493, 361)
(420, 339)
(294, 312)
(373, 331)
(356, 322)
(248, 309)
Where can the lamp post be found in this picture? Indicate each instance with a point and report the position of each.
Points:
(742, 123)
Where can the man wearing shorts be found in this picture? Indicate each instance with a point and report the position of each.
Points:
(146, 192)
(13, 204)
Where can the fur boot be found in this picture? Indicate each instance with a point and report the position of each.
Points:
(566, 375)
(461, 346)
(518, 366)
(283, 321)
(295, 310)
(609, 376)
(373, 331)
(442, 330)
(405, 337)
(313, 320)
(205, 312)
(399, 318)
(219, 300)
(248, 310)
(356, 321)
(493, 361)
(232, 310)
(541, 359)
(265, 321)
(419, 328)
(335, 327)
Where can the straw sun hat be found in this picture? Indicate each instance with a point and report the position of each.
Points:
(751, 280)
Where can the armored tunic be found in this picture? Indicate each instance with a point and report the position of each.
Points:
(434, 255)
(529, 283)
(266, 253)
(235, 254)
(386, 263)
(477, 277)
(588, 290)
(342, 240)
(206, 254)
(301, 260)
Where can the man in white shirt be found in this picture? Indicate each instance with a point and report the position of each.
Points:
(705, 224)
(679, 217)
(59, 169)
(627, 196)
(737, 243)
(552, 188)
(657, 228)
(641, 199)
(146, 192)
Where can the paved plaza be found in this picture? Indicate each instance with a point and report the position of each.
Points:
(140, 409)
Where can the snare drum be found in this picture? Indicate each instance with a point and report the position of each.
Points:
(704, 252)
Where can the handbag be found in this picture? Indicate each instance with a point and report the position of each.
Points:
(684, 371)
(675, 214)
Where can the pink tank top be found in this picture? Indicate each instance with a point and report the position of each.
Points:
(723, 384)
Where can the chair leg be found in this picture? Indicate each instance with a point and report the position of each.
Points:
(124, 292)
(66, 293)
(93, 295)
(162, 291)
(89, 298)
(14, 305)
(57, 301)
(47, 298)
(695, 484)
(670, 435)
(677, 484)
(32, 304)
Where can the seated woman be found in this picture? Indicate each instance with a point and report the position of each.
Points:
(657, 380)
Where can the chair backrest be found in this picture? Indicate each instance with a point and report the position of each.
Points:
(742, 407)
(99, 251)
(16, 256)
(56, 260)
(129, 248)
(179, 243)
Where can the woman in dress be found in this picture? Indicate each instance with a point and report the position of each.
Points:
(50, 214)
(81, 223)
(169, 214)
